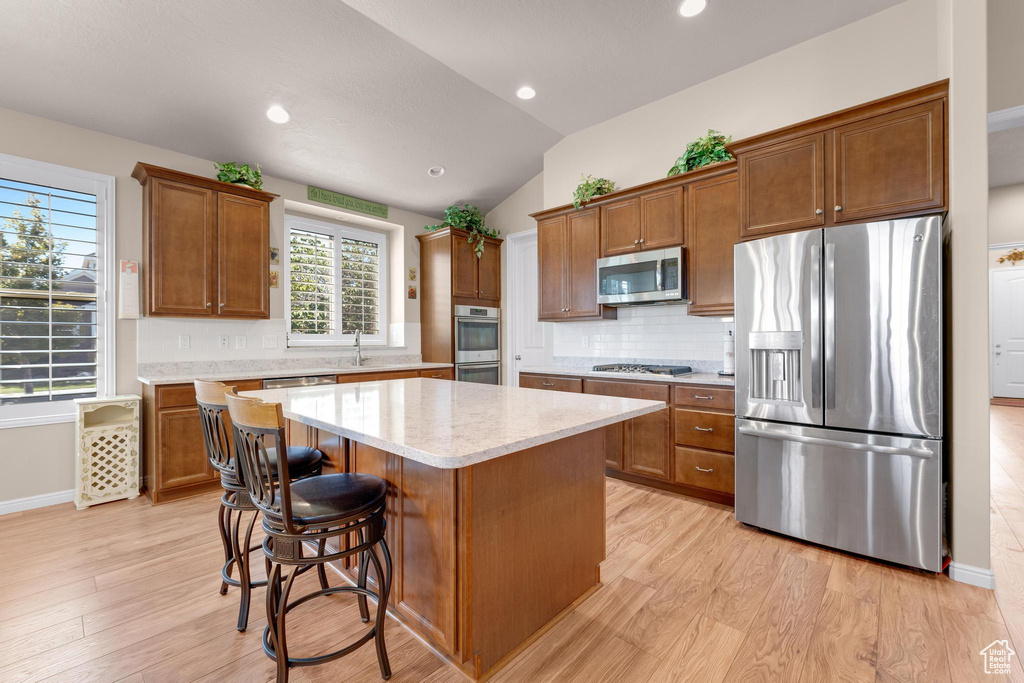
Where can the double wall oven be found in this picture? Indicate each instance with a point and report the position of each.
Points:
(477, 345)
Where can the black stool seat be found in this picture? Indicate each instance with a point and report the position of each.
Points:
(302, 461)
(332, 497)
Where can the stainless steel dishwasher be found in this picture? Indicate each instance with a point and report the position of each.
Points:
(291, 382)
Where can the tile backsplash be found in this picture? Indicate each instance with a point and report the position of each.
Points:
(645, 333)
(158, 341)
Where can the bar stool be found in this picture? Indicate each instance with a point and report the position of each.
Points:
(303, 512)
(302, 462)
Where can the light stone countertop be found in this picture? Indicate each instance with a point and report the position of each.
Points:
(692, 378)
(154, 379)
(451, 424)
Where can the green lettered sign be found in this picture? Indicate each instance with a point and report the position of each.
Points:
(345, 202)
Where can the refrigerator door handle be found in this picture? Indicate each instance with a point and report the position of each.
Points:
(815, 325)
(829, 312)
(818, 441)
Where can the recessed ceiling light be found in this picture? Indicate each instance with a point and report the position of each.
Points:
(435, 171)
(278, 114)
(691, 8)
(526, 93)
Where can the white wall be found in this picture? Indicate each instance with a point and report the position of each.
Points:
(40, 460)
(1006, 214)
(1005, 54)
(882, 54)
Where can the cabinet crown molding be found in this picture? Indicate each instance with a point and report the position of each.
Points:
(143, 172)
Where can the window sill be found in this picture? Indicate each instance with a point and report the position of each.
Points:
(313, 344)
(35, 420)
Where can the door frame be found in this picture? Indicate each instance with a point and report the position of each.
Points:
(992, 309)
(508, 367)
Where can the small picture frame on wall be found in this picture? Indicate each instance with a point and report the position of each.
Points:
(412, 292)
(412, 275)
(275, 256)
(275, 279)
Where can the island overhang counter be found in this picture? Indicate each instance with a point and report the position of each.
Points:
(496, 500)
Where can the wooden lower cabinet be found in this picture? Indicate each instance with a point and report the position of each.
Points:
(664, 449)
(439, 373)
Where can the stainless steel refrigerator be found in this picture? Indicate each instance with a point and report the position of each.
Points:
(839, 388)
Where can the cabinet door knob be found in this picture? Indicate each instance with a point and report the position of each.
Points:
(641, 240)
(701, 469)
(208, 304)
(705, 429)
(636, 241)
(818, 212)
(222, 305)
(838, 208)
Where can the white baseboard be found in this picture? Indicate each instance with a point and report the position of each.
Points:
(965, 573)
(40, 501)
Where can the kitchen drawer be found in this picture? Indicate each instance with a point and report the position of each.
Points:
(376, 376)
(704, 397)
(439, 373)
(175, 396)
(570, 384)
(705, 430)
(645, 390)
(704, 469)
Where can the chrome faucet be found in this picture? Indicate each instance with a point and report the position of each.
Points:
(359, 350)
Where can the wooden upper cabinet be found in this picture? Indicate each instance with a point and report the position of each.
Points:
(551, 259)
(243, 262)
(464, 268)
(890, 164)
(206, 246)
(661, 219)
(182, 241)
(782, 186)
(489, 272)
(713, 227)
(582, 237)
(620, 227)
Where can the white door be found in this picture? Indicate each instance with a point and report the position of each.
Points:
(1008, 333)
(526, 334)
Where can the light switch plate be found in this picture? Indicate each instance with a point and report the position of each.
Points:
(222, 341)
(270, 341)
(240, 341)
(184, 341)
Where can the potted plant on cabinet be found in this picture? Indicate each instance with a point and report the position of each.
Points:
(709, 149)
(589, 188)
(467, 217)
(240, 174)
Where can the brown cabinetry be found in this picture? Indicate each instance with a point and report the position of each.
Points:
(477, 278)
(439, 373)
(884, 159)
(687, 448)
(713, 227)
(652, 220)
(205, 246)
(567, 253)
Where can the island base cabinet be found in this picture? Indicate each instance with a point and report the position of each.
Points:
(485, 556)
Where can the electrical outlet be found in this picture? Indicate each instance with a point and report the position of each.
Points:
(239, 341)
(586, 341)
(184, 341)
(270, 341)
(222, 341)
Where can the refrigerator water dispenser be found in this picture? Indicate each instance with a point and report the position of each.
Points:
(775, 366)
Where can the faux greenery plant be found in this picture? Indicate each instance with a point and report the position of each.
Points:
(467, 217)
(242, 174)
(589, 188)
(709, 149)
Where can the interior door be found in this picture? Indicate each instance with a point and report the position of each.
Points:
(1008, 333)
(883, 326)
(527, 333)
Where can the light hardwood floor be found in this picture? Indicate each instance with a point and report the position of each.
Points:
(128, 592)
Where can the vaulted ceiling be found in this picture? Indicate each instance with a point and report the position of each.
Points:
(379, 90)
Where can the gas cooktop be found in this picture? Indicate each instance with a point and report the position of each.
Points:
(645, 369)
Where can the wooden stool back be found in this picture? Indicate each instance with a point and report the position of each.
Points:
(216, 433)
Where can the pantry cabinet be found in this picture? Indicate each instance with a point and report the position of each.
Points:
(206, 246)
(881, 160)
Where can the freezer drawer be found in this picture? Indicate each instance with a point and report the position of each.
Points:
(869, 494)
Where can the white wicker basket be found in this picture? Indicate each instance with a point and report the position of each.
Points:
(107, 454)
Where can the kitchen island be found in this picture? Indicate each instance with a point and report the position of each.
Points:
(496, 510)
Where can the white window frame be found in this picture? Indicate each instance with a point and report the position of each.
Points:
(337, 231)
(101, 185)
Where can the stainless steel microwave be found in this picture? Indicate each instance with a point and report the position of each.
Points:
(646, 277)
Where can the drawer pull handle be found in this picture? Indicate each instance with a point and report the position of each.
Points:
(705, 429)
(705, 398)
(547, 384)
(701, 469)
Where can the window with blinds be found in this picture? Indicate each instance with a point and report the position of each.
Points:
(336, 283)
(49, 294)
